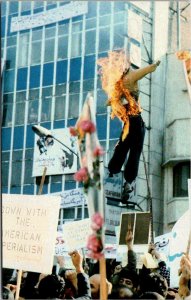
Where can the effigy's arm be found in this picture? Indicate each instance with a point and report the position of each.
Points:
(136, 75)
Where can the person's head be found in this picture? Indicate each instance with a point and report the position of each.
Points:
(95, 286)
(51, 286)
(154, 282)
(128, 279)
(7, 294)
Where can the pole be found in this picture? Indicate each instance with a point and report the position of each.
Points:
(19, 277)
(103, 289)
(178, 27)
(42, 181)
(64, 145)
(149, 198)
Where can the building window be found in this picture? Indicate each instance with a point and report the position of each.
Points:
(59, 107)
(90, 42)
(49, 50)
(62, 47)
(73, 111)
(11, 56)
(23, 50)
(7, 110)
(76, 40)
(181, 173)
(35, 53)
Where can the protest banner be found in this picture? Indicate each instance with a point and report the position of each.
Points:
(75, 234)
(178, 245)
(51, 154)
(29, 231)
(72, 198)
(112, 218)
(162, 243)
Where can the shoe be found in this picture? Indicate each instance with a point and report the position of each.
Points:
(127, 189)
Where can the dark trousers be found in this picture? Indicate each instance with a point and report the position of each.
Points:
(132, 144)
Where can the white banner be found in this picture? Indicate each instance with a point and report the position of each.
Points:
(29, 232)
(56, 157)
(70, 10)
(162, 244)
(72, 198)
(75, 234)
(134, 26)
(112, 218)
(178, 246)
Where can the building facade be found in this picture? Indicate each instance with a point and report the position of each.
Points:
(49, 54)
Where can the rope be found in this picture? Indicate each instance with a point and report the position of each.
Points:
(149, 198)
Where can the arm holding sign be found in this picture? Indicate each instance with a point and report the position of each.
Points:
(83, 284)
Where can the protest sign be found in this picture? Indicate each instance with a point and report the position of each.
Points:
(72, 198)
(56, 157)
(75, 234)
(140, 226)
(178, 245)
(112, 218)
(112, 185)
(29, 231)
(162, 245)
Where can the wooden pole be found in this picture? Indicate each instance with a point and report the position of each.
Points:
(189, 244)
(103, 288)
(42, 181)
(19, 277)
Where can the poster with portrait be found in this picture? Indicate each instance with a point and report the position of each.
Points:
(50, 153)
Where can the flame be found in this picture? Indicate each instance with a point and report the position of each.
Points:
(112, 68)
(183, 54)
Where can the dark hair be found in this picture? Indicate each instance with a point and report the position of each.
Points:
(51, 286)
(132, 275)
(6, 275)
(154, 282)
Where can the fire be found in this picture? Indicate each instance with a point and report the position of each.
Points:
(111, 70)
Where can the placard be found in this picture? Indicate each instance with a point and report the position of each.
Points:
(53, 155)
(75, 234)
(140, 226)
(112, 185)
(72, 198)
(29, 231)
(178, 245)
(112, 218)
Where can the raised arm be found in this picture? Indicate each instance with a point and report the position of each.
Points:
(136, 75)
(84, 290)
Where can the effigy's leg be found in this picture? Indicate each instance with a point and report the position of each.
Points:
(120, 152)
(137, 133)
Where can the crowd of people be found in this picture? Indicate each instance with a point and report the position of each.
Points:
(83, 282)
